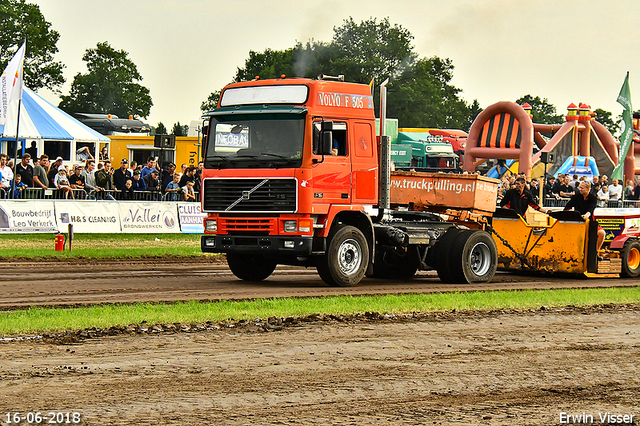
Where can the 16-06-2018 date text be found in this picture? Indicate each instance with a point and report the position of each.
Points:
(38, 417)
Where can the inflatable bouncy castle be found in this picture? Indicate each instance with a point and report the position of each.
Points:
(505, 131)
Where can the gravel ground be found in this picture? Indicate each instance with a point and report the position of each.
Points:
(456, 368)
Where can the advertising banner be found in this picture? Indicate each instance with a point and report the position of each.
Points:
(88, 216)
(191, 218)
(151, 218)
(27, 216)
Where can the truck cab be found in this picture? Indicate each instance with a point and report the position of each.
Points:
(284, 159)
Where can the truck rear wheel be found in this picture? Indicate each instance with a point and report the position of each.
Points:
(475, 257)
(250, 267)
(442, 255)
(631, 259)
(346, 259)
(392, 265)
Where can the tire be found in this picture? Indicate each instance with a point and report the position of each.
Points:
(250, 267)
(442, 255)
(391, 265)
(474, 256)
(346, 259)
(630, 259)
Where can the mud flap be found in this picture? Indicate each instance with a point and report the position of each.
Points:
(592, 241)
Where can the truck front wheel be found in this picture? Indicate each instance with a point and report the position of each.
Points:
(631, 259)
(346, 259)
(250, 267)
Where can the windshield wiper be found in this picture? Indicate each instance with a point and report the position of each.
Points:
(275, 155)
(223, 158)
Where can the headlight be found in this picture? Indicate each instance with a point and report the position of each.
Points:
(211, 225)
(290, 226)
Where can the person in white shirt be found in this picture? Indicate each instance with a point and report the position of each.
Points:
(615, 190)
(7, 173)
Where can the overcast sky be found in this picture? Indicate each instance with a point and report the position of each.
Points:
(566, 51)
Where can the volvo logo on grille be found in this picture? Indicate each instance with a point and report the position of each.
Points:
(246, 194)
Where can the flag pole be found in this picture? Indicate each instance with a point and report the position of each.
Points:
(15, 163)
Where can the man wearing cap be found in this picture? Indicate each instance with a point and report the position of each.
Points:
(76, 180)
(152, 182)
(137, 184)
(53, 169)
(167, 175)
(121, 175)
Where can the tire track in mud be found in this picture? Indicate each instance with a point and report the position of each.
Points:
(25, 283)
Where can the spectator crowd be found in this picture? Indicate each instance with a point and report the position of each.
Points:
(33, 178)
(557, 191)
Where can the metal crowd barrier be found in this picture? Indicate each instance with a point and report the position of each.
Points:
(555, 202)
(81, 194)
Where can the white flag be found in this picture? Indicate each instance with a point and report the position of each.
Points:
(11, 83)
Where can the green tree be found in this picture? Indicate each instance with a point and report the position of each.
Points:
(360, 52)
(161, 129)
(370, 49)
(422, 96)
(543, 112)
(179, 130)
(474, 111)
(20, 21)
(268, 64)
(606, 119)
(212, 102)
(110, 85)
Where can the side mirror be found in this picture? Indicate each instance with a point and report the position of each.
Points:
(327, 142)
(205, 139)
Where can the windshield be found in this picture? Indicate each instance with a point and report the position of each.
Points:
(255, 140)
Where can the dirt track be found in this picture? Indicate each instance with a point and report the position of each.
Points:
(454, 369)
(84, 281)
(499, 368)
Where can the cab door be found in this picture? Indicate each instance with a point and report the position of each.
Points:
(332, 175)
(364, 164)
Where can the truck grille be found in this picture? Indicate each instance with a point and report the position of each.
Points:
(274, 195)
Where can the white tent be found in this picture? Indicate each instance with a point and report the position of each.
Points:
(41, 121)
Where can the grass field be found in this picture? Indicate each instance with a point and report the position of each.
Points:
(40, 320)
(101, 245)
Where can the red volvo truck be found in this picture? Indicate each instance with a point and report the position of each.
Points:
(294, 174)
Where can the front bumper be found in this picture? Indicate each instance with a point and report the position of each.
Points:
(281, 244)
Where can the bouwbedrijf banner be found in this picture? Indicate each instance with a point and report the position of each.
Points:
(27, 216)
